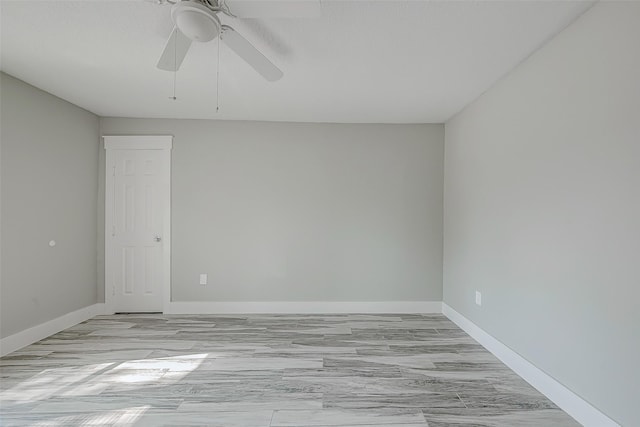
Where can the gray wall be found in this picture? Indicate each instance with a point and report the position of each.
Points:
(542, 209)
(303, 212)
(49, 171)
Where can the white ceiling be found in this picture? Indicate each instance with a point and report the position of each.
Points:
(361, 61)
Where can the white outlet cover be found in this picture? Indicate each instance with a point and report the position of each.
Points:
(478, 298)
(203, 279)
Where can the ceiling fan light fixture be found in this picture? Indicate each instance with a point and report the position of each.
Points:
(195, 21)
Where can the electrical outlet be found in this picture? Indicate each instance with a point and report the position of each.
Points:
(203, 279)
(478, 298)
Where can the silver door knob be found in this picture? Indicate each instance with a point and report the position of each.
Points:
(157, 238)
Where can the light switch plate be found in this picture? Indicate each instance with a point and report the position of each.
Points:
(478, 298)
(203, 279)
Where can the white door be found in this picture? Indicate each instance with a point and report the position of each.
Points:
(137, 225)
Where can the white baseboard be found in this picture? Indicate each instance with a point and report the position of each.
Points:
(29, 336)
(571, 403)
(303, 307)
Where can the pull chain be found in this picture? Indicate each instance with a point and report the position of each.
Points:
(174, 86)
(175, 63)
(218, 77)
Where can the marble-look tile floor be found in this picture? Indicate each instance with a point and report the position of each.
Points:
(266, 370)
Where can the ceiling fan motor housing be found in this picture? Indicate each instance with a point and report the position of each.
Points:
(195, 20)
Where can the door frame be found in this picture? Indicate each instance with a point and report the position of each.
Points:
(164, 143)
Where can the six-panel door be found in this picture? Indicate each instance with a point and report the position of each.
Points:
(136, 263)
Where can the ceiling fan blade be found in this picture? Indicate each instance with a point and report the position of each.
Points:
(174, 51)
(275, 8)
(250, 54)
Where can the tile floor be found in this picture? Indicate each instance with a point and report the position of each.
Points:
(266, 370)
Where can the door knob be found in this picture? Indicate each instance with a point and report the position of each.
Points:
(157, 238)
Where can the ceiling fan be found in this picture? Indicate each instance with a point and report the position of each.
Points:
(198, 20)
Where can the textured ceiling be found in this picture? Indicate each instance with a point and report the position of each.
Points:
(359, 62)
